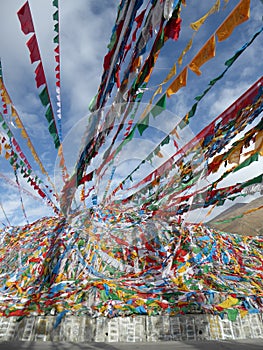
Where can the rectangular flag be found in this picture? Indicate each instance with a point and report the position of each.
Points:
(40, 76)
(33, 48)
(178, 83)
(25, 19)
(239, 15)
(205, 54)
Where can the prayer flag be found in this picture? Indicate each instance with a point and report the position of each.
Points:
(40, 76)
(33, 48)
(196, 25)
(25, 19)
(44, 97)
(178, 83)
(204, 55)
(239, 15)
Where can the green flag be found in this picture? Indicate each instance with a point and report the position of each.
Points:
(55, 16)
(44, 97)
(56, 39)
(159, 107)
(49, 114)
(143, 125)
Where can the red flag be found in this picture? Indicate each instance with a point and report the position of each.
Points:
(25, 19)
(87, 177)
(172, 29)
(33, 48)
(40, 76)
(41, 193)
(139, 18)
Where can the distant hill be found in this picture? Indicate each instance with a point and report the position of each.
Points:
(250, 224)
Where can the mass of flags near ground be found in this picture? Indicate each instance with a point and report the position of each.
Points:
(131, 252)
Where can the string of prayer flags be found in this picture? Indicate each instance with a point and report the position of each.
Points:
(23, 164)
(24, 134)
(196, 26)
(27, 26)
(13, 184)
(170, 30)
(245, 103)
(228, 63)
(57, 68)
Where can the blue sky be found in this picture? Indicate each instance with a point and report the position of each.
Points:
(85, 30)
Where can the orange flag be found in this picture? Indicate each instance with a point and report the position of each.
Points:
(207, 52)
(4, 94)
(178, 83)
(239, 15)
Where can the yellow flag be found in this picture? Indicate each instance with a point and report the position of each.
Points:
(4, 93)
(178, 83)
(18, 123)
(229, 302)
(60, 152)
(24, 134)
(234, 156)
(5, 97)
(174, 132)
(239, 15)
(7, 155)
(13, 111)
(158, 91)
(243, 313)
(170, 74)
(197, 24)
(205, 54)
(185, 50)
(7, 146)
(259, 143)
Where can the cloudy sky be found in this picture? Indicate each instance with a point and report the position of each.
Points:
(85, 30)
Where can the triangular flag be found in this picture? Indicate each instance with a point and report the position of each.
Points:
(55, 16)
(144, 124)
(159, 107)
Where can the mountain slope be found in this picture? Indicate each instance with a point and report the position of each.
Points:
(246, 223)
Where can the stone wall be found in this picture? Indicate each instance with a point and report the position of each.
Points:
(131, 329)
